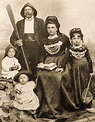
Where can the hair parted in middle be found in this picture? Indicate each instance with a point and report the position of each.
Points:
(52, 20)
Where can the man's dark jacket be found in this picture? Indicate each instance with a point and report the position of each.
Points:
(39, 31)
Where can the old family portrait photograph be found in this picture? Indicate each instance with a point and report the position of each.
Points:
(47, 61)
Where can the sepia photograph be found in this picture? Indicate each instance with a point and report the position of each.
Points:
(47, 61)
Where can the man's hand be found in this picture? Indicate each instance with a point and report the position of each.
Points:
(91, 74)
(19, 42)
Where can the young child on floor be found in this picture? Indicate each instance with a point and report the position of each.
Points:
(10, 65)
(25, 98)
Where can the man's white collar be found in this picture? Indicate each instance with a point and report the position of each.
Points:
(29, 19)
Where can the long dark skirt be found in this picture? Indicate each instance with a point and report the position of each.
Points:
(80, 73)
(55, 93)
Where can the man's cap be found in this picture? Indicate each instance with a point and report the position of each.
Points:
(30, 5)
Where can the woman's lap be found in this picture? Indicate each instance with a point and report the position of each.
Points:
(50, 89)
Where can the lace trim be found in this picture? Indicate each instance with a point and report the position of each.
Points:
(53, 48)
(78, 54)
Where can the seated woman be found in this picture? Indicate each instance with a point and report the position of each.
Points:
(48, 82)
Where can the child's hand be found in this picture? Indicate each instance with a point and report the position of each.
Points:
(13, 68)
(18, 91)
(59, 70)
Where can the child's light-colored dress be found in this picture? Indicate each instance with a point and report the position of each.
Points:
(6, 64)
(26, 99)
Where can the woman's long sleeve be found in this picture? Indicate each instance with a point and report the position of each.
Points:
(66, 59)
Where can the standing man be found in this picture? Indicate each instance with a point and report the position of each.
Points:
(31, 31)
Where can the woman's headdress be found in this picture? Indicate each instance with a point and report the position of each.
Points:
(52, 20)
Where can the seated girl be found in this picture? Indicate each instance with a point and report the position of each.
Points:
(10, 65)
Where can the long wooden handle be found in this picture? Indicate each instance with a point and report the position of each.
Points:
(12, 19)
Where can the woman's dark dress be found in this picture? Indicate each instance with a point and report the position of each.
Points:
(50, 90)
(81, 65)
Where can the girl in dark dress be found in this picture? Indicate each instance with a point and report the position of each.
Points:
(48, 82)
(81, 64)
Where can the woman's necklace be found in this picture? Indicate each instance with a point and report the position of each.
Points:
(53, 48)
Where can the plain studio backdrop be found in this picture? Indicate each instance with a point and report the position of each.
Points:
(71, 13)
